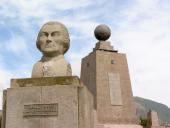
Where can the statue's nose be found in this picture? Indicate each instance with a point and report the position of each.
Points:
(49, 38)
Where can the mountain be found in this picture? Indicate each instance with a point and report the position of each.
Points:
(144, 105)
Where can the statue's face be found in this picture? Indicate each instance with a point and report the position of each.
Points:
(51, 39)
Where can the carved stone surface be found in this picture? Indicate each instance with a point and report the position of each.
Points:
(65, 96)
(0, 118)
(55, 106)
(153, 120)
(53, 41)
(95, 77)
(3, 121)
(45, 81)
(117, 126)
(113, 98)
(40, 110)
(115, 90)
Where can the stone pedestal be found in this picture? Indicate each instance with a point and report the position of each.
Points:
(153, 120)
(54, 102)
(105, 73)
(118, 126)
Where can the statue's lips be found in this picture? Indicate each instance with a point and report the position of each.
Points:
(50, 46)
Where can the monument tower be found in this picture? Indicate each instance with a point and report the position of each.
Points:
(105, 73)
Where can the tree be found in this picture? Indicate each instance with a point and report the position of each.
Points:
(143, 121)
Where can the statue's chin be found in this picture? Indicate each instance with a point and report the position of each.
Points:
(51, 53)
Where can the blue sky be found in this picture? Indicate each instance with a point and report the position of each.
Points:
(140, 28)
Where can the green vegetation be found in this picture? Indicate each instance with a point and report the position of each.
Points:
(143, 122)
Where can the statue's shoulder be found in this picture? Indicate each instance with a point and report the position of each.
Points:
(36, 71)
(66, 66)
(63, 61)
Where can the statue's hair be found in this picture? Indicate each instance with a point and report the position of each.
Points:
(66, 40)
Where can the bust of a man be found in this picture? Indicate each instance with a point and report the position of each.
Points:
(53, 41)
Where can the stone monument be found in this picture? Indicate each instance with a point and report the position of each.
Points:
(153, 120)
(105, 73)
(53, 41)
(52, 98)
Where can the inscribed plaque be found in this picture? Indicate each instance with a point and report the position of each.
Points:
(115, 90)
(40, 110)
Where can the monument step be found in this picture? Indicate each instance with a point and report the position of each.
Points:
(118, 126)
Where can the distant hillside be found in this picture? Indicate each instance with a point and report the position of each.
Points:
(144, 105)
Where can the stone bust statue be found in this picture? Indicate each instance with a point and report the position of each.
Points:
(53, 41)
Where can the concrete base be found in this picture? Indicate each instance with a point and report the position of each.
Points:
(43, 106)
(117, 126)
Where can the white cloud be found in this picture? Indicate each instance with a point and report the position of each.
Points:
(4, 78)
(144, 36)
(39, 8)
(16, 44)
(32, 5)
(26, 13)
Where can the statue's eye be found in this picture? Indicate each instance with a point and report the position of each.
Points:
(55, 33)
(43, 34)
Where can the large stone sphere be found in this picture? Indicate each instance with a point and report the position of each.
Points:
(102, 32)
